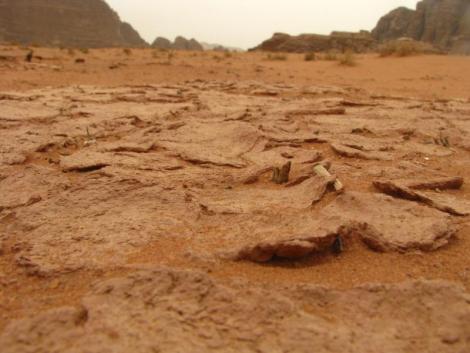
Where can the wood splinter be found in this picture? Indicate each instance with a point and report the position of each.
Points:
(281, 175)
(323, 172)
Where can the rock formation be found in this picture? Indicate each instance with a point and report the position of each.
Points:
(341, 41)
(443, 23)
(131, 37)
(71, 23)
(161, 43)
(180, 43)
(394, 25)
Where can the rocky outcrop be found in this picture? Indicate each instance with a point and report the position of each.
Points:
(180, 43)
(443, 23)
(341, 41)
(162, 43)
(394, 25)
(131, 36)
(70, 23)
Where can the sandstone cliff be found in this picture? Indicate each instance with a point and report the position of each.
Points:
(72, 23)
(341, 41)
(443, 23)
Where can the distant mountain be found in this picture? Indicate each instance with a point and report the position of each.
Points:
(69, 23)
(180, 43)
(162, 43)
(443, 23)
(218, 47)
(341, 41)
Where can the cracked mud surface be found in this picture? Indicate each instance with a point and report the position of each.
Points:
(188, 311)
(150, 210)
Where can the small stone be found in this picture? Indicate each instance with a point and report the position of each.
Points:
(338, 245)
(281, 175)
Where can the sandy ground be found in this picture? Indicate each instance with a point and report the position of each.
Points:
(418, 76)
(121, 174)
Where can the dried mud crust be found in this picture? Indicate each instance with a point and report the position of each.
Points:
(390, 225)
(164, 310)
(91, 175)
(93, 179)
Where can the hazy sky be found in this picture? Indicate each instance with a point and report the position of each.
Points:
(245, 23)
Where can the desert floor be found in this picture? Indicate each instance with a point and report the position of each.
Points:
(418, 76)
(123, 174)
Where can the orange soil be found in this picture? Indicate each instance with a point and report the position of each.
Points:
(420, 76)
